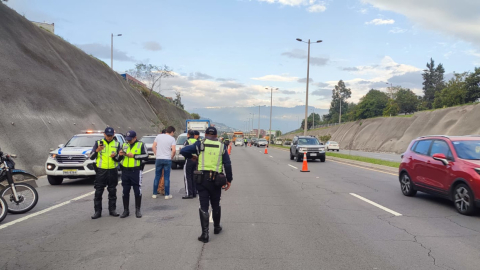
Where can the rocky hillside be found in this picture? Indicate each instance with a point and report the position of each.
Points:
(393, 134)
(51, 90)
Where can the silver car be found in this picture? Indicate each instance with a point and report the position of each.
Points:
(262, 142)
(148, 141)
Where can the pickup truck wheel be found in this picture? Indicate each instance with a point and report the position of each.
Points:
(55, 180)
(291, 156)
(299, 159)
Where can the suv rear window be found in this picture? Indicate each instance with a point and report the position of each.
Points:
(423, 147)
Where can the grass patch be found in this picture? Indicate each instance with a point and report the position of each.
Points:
(392, 164)
(280, 146)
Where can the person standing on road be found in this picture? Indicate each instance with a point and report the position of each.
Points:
(212, 159)
(164, 149)
(189, 168)
(106, 152)
(131, 157)
(161, 185)
(245, 142)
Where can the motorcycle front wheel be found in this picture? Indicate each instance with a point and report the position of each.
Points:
(27, 198)
(3, 209)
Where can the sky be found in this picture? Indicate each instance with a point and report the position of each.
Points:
(226, 52)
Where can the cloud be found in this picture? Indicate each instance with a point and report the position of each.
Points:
(276, 78)
(301, 54)
(322, 92)
(304, 80)
(232, 85)
(287, 92)
(316, 8)
(380, 22)
(363, 11)
(397, 30)
(445, 16)
(321, 84)
(224, 79)
(152, 46)
(350, 69)
(199, 76)
(103, 52)
(473, 53)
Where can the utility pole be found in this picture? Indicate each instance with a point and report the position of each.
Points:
(111, 50)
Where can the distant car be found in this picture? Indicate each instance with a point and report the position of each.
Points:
(72, 160)
(254, 141)
(287, 143)
(278, 142)
(239, 142)
(309, 145)
(148, 141)
(446, 166)
(262, 142)
(179, 160)
(332, 146)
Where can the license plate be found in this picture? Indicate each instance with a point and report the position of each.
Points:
(69, 172)
(313, 154)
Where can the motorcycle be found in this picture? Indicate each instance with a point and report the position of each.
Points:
(20, 197)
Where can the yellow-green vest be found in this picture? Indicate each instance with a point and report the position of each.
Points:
(210, 158)
(191, 141)
(136, 149)
(104, 161)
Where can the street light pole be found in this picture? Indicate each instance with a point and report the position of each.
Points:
(271, 103)
(258, 130)
(308, 79)
(111, 50)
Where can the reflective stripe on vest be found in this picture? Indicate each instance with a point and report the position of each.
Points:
(211, 157)
(192, 141)
(128, 162)
(104, 161)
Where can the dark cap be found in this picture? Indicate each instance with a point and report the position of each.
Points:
(195, 132)
(211, 131)
(109, 131)
(191, 132)
(130, 135)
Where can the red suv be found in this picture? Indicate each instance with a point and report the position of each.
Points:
(447, 166)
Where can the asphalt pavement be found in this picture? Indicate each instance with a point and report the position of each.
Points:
(382, 156)
(337, 216)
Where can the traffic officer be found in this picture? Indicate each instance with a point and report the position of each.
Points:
(212, 159)
(190, 166)
(106, 152)
(245, 140)
(132, 154)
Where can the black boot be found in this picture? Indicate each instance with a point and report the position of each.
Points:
(216, 220)
(98, 213)
(138, 204)
(204, 221)
(126, 202)
(112, 204)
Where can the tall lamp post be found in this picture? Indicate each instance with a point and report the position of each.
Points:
(111, 50)
(308, 78)
(258, 130)
(271, 103)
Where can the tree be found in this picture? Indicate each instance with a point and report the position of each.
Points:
(391, 109)
(432, 82)
(278, 133)
(178, 99)
(407, 101)
(453, 94)
(195, 115)
(310, 120)
(339, 96)
(151, 75)
(325, 138)
(372, 104)
(472, 86)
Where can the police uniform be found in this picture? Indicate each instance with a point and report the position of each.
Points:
(245, 140)
(106, 173)
(189, 168)
(132, 169)
(212, 159)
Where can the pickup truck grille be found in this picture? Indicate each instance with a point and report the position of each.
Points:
(71, 158)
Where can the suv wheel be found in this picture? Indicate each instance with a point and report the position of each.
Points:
(322, 159)
(464, 200)
(291, 156)
(299, 159)
(54, 180)
(407, 186)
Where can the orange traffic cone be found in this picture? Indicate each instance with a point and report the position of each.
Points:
(266, 151)
(305, 165)
(229, 149)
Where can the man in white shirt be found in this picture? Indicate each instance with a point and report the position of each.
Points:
(164, 150)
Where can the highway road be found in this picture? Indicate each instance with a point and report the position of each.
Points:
(336, 216)
(383, 156)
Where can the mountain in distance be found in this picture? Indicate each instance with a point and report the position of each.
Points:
(240, 118)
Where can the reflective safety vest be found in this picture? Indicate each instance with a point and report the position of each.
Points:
(210, 158)
(136, 149)
(104, 161)
(191, 141)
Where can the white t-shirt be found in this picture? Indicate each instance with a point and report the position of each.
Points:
(164, 146)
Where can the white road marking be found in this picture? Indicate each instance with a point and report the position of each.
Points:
(53, 207)
(376, 204)
(293, 166)
(365, 168)
(271, 156)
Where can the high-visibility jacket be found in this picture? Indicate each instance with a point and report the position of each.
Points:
(191, 141)
(210, 158)
(104, 161)
(135, 149)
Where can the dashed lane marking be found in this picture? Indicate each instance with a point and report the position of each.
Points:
(293, 167)
(377, 205)
(363, 167)
(53, 207)
(271, 156)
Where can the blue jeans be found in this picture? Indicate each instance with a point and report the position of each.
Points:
(165, 165)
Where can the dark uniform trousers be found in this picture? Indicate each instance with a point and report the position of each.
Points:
(208, 192)
(132, 178)
(106, 178)
(190, 184)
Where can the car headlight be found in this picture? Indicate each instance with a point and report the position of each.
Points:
(303, 149)
(52, 156)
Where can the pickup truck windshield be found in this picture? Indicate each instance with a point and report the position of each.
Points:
(83, 141)
(308, 141)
